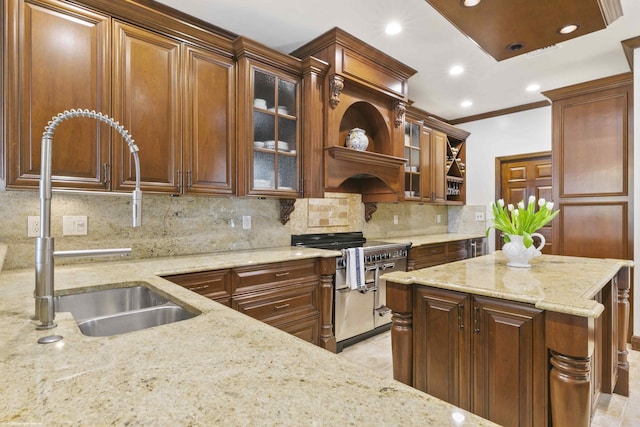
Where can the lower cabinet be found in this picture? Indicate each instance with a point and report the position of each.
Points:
(484, 355)
(442, 253)
(287, 295)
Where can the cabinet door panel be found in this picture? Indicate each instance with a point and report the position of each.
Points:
(60, 57)
(509, 362)
(146, 101)
(441, 345)
(209, 123)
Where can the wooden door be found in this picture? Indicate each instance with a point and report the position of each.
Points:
(509, 363)
(441, 345)
(58, 59)
(146, 99)
(523, 176)
(209, 121)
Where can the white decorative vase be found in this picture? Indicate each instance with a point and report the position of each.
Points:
(517, 254)
(357, 139)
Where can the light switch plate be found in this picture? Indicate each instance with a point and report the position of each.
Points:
(246, 222)
(74, 225)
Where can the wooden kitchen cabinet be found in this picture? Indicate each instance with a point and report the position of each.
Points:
(176, 99)
(437, 253)
(57, 57)
(215, 285)
(146, 96)
(434, 154)
(152, 76)
(294, 296)
(269, 128)
(484, 355)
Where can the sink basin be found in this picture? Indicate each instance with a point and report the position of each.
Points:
(115, 311)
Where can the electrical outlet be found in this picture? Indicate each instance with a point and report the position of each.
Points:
(479, 216)
(395, 219)
(438, 219)
(33, 226)
(246, 222)
(74, 225)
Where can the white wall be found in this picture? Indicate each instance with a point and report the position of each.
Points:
(517, 133)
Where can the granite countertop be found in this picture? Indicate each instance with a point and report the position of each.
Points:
(429, 239)
(218, 368)
(554, 283)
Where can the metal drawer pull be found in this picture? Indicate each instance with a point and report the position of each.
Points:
(197, 288)
(278, 307)
(383, 311)
(282, 274)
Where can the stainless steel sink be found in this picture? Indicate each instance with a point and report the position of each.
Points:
(115, 311)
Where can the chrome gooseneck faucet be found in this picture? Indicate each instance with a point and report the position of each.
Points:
(45, 310)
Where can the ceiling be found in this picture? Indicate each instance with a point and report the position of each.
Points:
(430, 44)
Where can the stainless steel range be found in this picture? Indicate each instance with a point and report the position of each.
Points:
(359, 312)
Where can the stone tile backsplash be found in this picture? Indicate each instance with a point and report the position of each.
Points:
(196, 224)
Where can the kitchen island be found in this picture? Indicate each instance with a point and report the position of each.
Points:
(218, 368)
(519, 346)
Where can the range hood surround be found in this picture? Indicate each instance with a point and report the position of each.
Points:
(363, 88)
(378, 177)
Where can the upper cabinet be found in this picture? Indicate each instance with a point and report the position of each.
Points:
(57, 58)
(434, 171)
(269, 125)
(176, 99)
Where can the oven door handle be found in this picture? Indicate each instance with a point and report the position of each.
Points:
(388, 265)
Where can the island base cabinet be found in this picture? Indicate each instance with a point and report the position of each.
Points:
(484, 355)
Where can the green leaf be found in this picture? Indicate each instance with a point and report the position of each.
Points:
(527, 240)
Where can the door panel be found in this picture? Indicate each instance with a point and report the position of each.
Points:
(524, 176)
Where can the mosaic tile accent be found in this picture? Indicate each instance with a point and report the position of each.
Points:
(328, 213)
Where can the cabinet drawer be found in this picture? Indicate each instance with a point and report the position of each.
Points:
(278, 306)
(214, 284)
(429, 255)
(459, 246)
(307, 329)
(256, 278)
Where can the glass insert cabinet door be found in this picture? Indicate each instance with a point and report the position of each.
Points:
(275, 133)
(412, 155)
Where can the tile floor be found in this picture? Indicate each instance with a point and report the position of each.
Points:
(613, 410)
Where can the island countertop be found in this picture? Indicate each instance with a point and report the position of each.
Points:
(555, 283)
(218, 368)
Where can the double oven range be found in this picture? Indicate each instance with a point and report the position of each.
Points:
(359, 313)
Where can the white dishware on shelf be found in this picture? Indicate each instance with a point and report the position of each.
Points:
(258, 144)
(283, 110)
(292, 151)
(270, 144)
(260, 103)
(282, 145)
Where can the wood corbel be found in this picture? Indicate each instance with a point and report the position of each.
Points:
(286, 207)
(336, 84)
(399, 109)
(369, 209)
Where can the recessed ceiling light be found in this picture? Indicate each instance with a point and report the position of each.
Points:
(533, 87)
(393, 28)
(456, 70)
(514, 47)
(470, 3)
(466, 103)
(568, 29)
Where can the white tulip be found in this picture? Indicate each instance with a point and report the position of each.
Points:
(532, 199)
(542, 202)
(550, 205)
(501, 203)
(521, 204)
(510, 207)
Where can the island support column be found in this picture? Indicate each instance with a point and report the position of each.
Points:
(400, 301)
(327, 270)
(570, 340)
(623, 280)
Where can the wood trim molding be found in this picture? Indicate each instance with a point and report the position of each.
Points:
(592, 86)
(503, 112)
(629, 45)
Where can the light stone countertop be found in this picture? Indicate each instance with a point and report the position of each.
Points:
(219, 368)
(555, 283)
(429, 239)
